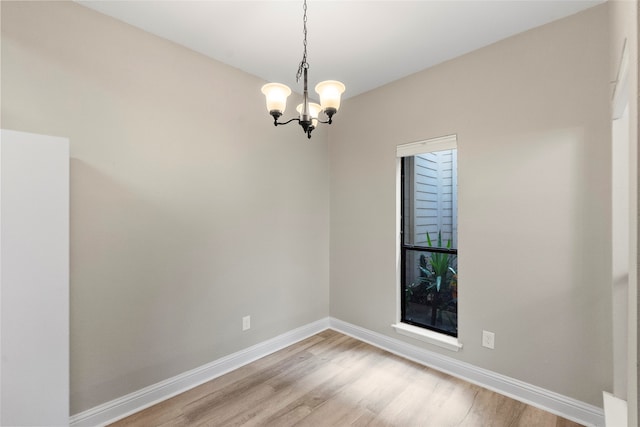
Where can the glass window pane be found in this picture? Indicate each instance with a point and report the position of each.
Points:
(430, 199)
(430, 241)
(431, 290)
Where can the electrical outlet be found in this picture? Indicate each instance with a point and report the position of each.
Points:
(246, 323)
(488, 339)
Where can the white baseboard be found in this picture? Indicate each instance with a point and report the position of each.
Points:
(549, 401)
(555, 403)
(124, 406)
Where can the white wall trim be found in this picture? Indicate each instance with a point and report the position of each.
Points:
(555, 403)
(615, 410)
(447, 142)
(124, 406)
(426, 335)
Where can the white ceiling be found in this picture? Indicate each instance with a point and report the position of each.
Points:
(364, 44)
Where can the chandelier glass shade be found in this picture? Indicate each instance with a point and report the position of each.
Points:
(276, 95)
(329, 92)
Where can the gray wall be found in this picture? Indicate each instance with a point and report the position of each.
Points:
(532, 118)
(189, 209)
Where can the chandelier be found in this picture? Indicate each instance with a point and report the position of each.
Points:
(329, 92)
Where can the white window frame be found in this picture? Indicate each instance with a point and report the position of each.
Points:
(447, 142)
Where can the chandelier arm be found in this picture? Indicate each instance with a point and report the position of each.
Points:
(297, 119)
(277, 123)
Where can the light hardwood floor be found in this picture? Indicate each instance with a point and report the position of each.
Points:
(330, 379)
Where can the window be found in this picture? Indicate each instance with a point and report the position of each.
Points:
(429, 235)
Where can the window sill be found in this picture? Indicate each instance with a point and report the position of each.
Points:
(435, 338)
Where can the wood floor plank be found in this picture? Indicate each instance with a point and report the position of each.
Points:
(331, 379)
(288, 388)
(173, 408)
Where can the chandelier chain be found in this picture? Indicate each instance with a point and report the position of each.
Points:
(303, 64)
